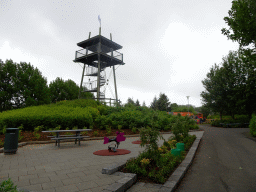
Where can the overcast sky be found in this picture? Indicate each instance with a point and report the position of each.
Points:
(168, 45)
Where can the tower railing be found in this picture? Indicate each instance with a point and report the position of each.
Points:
(90, 86)
(99, 49)
(92, 71)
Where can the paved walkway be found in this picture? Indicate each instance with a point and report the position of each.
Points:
(44, 167)
(225, 161)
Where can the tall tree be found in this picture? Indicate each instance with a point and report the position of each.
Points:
(58, 90)
(233, 83)
(154, 104)
(7, 88)
(163, 103)
(66, 90)
(130, 102)
(144, 104)
(242, 22)
(22, 85)
(31, 85)
(173, 106)
(137, 103)
(214, 97)
(248, 88)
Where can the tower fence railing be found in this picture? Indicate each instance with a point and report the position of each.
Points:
(99, 49)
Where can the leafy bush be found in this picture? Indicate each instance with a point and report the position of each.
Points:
(180, 128)
(158, 168)
(88, 113)
(8, 186)
(108, 128)
(20, 130)
(49, 116)
(134, 129)
(252, 125)
(95, 133)
(150, 135)
(36, 130)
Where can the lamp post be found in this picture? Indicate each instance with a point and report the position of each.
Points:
(188, 104)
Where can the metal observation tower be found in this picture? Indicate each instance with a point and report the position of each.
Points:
(97, 54)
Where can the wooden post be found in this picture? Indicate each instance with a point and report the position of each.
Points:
(89, 35)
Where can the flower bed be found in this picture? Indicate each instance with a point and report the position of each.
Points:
(157, 165)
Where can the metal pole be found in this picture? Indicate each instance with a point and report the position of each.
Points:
(188, 104)
(98, 80)
(114, 73)
(81, 83)
(115, 82)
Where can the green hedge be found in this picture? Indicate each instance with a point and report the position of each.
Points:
(89, 113)
(252, 125)
(242, 119)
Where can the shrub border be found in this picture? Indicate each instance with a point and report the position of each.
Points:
(130, 178)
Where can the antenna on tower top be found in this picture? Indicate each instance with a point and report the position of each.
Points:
(100, 24)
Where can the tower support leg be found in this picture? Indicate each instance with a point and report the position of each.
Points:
(79, 96)
(114, 73)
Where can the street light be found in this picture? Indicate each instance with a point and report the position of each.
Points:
(188, 104)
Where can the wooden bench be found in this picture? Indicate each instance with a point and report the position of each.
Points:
(59, 137)
(62, 136)
(79, 138)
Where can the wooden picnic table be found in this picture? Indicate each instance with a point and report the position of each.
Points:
(59, 137)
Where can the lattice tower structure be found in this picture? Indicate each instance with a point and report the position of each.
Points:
(97, 54)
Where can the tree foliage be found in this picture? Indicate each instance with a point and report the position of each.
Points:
(7, 90)
(66, 90)
(242, 29)
(31, 86)
(130, 102)
(22, 85)
(230, 87)
(214, 95)
(153, 105)
(242, 22)
(137, 103)
(161, 104)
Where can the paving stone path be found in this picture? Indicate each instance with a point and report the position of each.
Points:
(45, 167)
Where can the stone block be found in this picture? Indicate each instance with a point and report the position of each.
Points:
(169, 184)
(117, 187)
(174, 178)
(166, 189)
(126, 181)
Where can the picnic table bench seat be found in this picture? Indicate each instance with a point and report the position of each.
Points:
(59, 137)
(79, 138)
(62, 136)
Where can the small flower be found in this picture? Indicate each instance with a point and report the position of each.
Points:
(145, 161)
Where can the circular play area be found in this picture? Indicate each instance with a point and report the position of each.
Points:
(107, 152)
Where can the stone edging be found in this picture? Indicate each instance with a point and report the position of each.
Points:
(129, 178)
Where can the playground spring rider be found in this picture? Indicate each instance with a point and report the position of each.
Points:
(118, 139)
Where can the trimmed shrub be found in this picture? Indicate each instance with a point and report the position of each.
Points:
(252, 125)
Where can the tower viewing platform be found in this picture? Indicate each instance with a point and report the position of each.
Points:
(96, 47)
